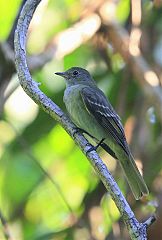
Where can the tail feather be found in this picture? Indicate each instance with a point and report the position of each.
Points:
(133, 176)
(135, 180)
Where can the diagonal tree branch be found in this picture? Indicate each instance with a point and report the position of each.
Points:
(147, 79)
(136, 230)
(145, 76)
(7, 66)
(84, 29)
(10, 39)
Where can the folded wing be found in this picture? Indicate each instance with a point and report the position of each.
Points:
(99, 107)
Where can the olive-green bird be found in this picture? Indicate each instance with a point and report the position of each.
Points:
(90, 110)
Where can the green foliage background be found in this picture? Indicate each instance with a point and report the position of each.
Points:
(74, 205)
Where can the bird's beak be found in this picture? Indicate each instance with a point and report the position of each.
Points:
(62, 74)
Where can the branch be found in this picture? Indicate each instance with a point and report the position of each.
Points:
(5, 228)
(7, 66)
(146, 77)
(75, 36)
(10, 39)
(26, 148)
(67, 41)
(136, 230)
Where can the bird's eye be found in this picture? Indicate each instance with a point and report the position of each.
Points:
(75, 73)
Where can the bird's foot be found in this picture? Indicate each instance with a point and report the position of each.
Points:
(94, 148)
(77, 130)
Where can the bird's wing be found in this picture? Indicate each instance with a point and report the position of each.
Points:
(98, 106)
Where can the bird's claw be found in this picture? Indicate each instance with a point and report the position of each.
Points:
(77, 130)
(94, 148)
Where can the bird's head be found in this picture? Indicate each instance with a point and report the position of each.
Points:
(76, 75)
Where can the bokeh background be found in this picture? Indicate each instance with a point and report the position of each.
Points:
(48, 190)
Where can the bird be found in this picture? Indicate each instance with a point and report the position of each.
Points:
(90, 110)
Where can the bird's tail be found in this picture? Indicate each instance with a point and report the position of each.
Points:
(135, 180)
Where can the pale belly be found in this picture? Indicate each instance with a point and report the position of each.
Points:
(80, 115)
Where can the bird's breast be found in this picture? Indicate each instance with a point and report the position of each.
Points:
(73, 102)
(79, 113)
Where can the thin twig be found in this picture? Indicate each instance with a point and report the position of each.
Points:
(28, 151)
(5, 229)
(146, 77)
(10, 39)
(53, 49)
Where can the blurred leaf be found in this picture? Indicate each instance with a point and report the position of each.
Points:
(80, 57)
(8, 13)
(21, 175)
(111, 213)
(54, 235)
(28, 196)
(123, 10)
